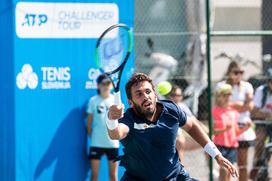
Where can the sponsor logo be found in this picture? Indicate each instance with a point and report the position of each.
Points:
(52, 78)
(34, 20)
(142, 126)
(27, 78)
(64, 20)
(92, 75)
(56, 77)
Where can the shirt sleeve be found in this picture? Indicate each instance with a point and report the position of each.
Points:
(182, 117)
(90, 107)
(127, 121)
(249, 88)
(258, 97)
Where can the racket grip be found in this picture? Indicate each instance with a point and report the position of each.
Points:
(117, 98)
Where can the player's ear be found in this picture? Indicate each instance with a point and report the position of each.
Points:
(156, 95)
(130, 103)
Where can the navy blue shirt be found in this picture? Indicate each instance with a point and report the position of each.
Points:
(150, 147)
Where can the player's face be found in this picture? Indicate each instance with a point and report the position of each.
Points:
(104, 89)
(143, 98)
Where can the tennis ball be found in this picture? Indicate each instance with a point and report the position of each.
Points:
(164, 87)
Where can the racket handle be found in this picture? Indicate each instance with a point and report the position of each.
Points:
(117, 98)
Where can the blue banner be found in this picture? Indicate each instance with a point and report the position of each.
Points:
(52, 77)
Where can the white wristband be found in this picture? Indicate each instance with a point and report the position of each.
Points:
(111, 124)
(211, 149)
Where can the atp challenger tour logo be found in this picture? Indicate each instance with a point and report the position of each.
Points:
(51, 78)
(64, 20)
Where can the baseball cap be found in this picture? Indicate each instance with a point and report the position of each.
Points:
(223, 88)
(103, 78)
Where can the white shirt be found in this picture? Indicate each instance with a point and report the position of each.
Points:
(185, 108)
(258, 100)
(98, 107)
(239, 93)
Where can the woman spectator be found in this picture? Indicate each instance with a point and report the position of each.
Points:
(242, 101)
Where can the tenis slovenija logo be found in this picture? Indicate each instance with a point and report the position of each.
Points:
(27, 78)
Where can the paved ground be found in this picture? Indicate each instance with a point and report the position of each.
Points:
(196, 164)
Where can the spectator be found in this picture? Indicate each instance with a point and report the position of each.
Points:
(176, 96)
(241, 100)
(101, 144)
(183, 142)
(262, 111)
(226, 128)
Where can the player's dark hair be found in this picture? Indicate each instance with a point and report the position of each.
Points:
(135, 80)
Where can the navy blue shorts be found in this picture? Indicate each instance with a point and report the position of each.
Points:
(96, 153)
(229, 153)
(246, 144)
(183, 176)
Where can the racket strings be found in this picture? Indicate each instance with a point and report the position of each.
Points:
(113, 49)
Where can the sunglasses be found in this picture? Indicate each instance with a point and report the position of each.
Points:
(227, 94)
(175, 95)
(237, 72)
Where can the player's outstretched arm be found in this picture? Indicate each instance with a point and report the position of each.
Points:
(117, 131)
(199, 135)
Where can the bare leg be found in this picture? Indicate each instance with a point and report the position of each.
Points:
(242, 163)
(258, 150)
(95, 164)
(113, 170)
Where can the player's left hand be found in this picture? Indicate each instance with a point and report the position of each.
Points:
(224, 163)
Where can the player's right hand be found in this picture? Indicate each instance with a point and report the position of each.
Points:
(224, 163)
(116, 112)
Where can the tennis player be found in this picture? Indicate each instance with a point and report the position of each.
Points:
(148, 132)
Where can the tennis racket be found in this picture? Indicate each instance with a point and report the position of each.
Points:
(113, 49)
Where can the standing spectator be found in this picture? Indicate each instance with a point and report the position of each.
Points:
(241, 100)
(176, 96)
(226, 128)
(262, 111)
(101, 144)
(183, 142)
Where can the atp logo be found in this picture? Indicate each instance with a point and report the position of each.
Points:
(27, 78)
(34, 19)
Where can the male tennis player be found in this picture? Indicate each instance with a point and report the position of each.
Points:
(148, 132)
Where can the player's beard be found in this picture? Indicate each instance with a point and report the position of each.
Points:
(145, 112)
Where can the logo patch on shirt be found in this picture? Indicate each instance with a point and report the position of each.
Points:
(101, 108)
(142, 126)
